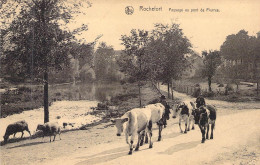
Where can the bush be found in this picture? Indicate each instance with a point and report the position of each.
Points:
(229, 87)
(24, 89)
(208, 94)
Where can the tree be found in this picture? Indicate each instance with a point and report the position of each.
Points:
(38, 41)
(104, 61)
(241, 54)
(211, 62)
(254, 51)
(169, 46)
(132, 60)
(235, 51)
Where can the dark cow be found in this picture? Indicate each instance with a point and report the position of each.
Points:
(205, 116)
(200, 101)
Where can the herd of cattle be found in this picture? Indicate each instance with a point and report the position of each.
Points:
(139, 121)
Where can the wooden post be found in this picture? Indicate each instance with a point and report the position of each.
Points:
(257, 88)
(172, 89)
(46, 98)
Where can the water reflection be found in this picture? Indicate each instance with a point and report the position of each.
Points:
(88, 91)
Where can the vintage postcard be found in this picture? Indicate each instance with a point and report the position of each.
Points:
(130, 82)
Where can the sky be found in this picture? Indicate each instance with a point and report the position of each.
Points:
(206, 30)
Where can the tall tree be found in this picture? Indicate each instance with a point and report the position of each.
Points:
(235, 51)
(254, 51)
(241, 54)
(103, 61)
(37, 40)
(211, 61)
(170, 46)
(132, 61)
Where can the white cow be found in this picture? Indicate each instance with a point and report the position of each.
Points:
(157, 115)
(139, 121)
(184, 111)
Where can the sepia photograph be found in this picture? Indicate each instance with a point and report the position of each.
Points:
(130, 82)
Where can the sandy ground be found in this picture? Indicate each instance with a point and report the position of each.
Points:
(236, 141)
(76, 112)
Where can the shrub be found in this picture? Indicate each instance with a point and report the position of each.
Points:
(208, 94)
(24, 89)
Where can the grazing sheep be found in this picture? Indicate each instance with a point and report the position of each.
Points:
(18, 126)
(49, 129)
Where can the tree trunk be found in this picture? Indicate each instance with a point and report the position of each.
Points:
(172, 89)
(46, 98)
(168, 90)
(140, 99)
(257, 88)
(209, 83)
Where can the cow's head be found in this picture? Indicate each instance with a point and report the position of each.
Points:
(119, 125)
(198, 114)
(178, 108)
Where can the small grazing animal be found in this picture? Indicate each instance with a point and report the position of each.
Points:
(18, 126)
(49, 129)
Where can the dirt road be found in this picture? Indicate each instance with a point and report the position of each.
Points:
(236, 141)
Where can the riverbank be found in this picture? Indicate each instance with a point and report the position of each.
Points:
(79, 113)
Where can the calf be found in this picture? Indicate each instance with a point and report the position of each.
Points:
(139, 121)
(18, 126)
(185, 113)
(49, 129)
(205, 116)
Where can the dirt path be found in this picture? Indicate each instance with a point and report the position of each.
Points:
(236, 140)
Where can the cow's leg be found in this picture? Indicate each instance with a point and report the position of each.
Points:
(138, 141)
(212, 127)
(186, 123)
(131, 144)
(22, 135)
(193, 124)
(180, 124)
(126, 138)
(164, 121)
(146, 138)
(189, 120)
(150, 133)
(207, 135)
(54, 137)
(59, 134)
(202, 129)
(142, 138)
(160, 133)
